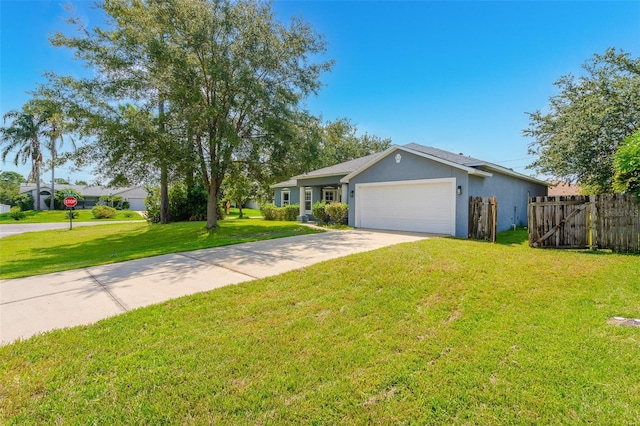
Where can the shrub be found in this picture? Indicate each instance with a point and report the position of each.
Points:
(291, 212)
(16, 213)
(338, 212)
(152, 204)
(319, 211)
(269, 211)
(272, 212)
(185, 203)
(24, 202)
(126, 206)
(104, 212)
(71, 214)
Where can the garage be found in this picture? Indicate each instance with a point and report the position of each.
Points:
(426, 205)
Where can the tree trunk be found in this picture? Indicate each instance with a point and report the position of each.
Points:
(52, 205)
(240, 209)
(164, 195)
(164, 175)
(37, 176)
(212, 206)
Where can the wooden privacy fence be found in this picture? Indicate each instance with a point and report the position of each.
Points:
(608, 221)
(483, 218)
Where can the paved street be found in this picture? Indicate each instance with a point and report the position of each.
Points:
(21, 228)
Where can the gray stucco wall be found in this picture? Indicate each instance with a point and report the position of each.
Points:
(512, 195)
(316, 184)
(294, 195)
(414, 167)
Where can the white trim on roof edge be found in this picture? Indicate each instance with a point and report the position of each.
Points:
(506, 171)
(394, 148)
(284, 184)
(303, 176)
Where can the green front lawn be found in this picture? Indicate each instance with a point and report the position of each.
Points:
(234, 213)
(442, 331)
(60, 250)
(46, 216)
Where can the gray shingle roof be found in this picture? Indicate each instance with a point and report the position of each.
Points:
(445, 155)
(349, 167)
(342, 168)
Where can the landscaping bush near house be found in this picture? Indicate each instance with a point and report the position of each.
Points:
(319, 211)
(104, 212)
(287, 213)
(24, 201)
(16, 213)
(291, 212)
(338, 212)
(269, 211)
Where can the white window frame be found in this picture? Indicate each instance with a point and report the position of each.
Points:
(282, 200)
(332, 191)
(308, 191)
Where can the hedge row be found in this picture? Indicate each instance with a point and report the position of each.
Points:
(286, 213)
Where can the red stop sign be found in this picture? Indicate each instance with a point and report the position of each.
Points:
(70, 201)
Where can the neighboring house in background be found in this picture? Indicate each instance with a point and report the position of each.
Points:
(414, 188)
(563, 188)
(91, 194)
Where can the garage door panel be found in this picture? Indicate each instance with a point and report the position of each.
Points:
(407, 206)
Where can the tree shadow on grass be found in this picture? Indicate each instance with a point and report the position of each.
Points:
(520, 237)
(140, 243)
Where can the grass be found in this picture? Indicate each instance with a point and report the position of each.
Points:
(60, 250)
(46, 216)
(234, 213)
(442, 331)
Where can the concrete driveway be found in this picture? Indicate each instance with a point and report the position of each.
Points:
(29, 306)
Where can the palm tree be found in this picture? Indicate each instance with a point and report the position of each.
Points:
(54, 128)
(22, 137)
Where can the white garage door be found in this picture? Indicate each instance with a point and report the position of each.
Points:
(417, 206)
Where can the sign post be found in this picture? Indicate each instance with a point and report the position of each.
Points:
(70, 202)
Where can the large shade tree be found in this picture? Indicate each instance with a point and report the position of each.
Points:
(228, 74)
(585, 123)
(340, 143)
(627, 165)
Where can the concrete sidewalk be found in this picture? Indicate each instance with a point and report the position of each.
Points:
(29, 306)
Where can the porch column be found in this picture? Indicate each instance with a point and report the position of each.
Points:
(301, 201)
(345, 193)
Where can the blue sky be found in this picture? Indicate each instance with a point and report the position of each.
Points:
(455, 75)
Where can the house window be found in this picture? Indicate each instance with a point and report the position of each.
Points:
(330, 195)
(285, 198)
(308, 200)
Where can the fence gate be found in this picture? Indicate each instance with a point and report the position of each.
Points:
(609, 221)
(560, 222)
(483, 218)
